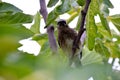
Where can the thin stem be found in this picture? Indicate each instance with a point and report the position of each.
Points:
(81, 30)
(50, 29)
(43, 9)
(52, 40)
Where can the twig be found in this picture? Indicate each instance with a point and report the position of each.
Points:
(81, 30)
(43, 9)
(52, 40)
(50, 29)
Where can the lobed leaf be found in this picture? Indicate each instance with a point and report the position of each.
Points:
(16, 30)
(7, 7)
(91, 30)
(38, 37)
(105, 23)
(60, 9)
(104, 8)
(17, 18)
(81, 2)
(90, 57)
(52, 3)
(113, 48)
(12, 34)
(101, 30)
(11, 28)
(101, 49)
(36, 26)
(115, 19)
(51, 17)
(108, 3)
(117, 37)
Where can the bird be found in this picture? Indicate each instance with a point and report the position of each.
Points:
(66, 36)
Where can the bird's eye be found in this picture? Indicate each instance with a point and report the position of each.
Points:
(58, 23)
(63, 22)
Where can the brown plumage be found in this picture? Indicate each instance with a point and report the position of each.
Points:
(66, 36)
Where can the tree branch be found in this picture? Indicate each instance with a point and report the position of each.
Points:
(50, 29)
(81, 30)
(43, 9)
(52, 40)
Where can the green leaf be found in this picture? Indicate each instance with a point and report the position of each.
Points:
(45, 49)
(51, 17)
(108, 3)
(36, 26)
(105, 23)
(105, 7)
(81, 2)
(73, 11)
(103, 32)
(60, 9)
(11, 28)
(15, 30)
(64, 7)
(94, 7)
(115, 19)
(52, 3)
(114, 49)
(6, 7)
(104, 10)
(72, 17)
(101, 49)
(90, 23)
(12, 34)
(107, 43)
(91, 30)
(11, 24)
(8, 44)
(96, 71)
(116, 36)
(17, 18)
(18, 64)
(90, 57)
(38, 37)
(117, 26)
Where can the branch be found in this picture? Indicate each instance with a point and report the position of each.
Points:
(81, 30)
(43, 9)
(52, 40)
(50, 29)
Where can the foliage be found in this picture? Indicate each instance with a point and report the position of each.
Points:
(98, 48)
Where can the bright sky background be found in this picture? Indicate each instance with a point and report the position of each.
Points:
(32, 6)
